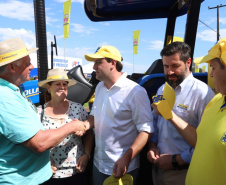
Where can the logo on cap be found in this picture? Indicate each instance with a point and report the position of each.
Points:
(97, 49)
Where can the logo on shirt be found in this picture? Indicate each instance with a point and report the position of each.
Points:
(184, 107)
(223, 138)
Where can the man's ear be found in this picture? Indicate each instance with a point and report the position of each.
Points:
(114, 62)
(11, 67)
(188, 62)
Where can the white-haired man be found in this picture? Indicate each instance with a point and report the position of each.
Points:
(24, 155)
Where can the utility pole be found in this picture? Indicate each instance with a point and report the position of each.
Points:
(218, 34)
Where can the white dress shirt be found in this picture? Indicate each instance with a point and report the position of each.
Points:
(120, 113)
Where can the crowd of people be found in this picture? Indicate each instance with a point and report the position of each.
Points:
(52, 143)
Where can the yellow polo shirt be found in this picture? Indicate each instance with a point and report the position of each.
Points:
(208, 164)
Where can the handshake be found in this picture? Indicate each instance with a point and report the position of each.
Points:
(80, 127)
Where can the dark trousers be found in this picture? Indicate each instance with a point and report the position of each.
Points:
(78, 178)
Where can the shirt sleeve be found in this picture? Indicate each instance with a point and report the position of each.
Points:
(154, 137)
(187, 154)
(141, 111)
(18, 120)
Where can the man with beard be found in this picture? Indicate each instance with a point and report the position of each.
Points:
(169, 151)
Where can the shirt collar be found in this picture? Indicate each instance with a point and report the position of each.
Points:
(8, 84)
(12, 86)
(224, 105)
(119, 83)
(188, 81)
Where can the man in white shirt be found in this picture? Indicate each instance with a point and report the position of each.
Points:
(121, 117)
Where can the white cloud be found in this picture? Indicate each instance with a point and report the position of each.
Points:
(128, 68)
(77, 52)
(105, 23)
(222, 33)
(50, 20)
(21, 11)
(209, 35)
(26, 35)
(103, 44)
(78, 28)
(156, 45)
(17, 10)
(222, 20)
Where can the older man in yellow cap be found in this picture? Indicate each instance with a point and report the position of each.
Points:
(24, 144)
(208, 164)
(121, 117)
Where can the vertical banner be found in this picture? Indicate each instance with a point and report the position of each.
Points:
(175, 39)
(197, 68)
(67, 11)
(136, 35)
(203, 69)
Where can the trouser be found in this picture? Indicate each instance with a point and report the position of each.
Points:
(169, 177)
(99, 178)
(78, 178)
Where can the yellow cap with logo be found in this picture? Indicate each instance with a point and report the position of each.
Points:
(165, 102)
(105, 52)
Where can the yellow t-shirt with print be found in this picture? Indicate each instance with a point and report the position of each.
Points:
(208, 164)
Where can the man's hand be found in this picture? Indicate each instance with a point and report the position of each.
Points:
(82, 163)
(79, 127)
(121, 166)
(164, 162)
(153, 154)
(79, 133)
(154, 106)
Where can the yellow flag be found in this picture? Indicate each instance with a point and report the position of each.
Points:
(197, 68)
(203, 69)
(136, 35)
(67, 11)
(175, 39)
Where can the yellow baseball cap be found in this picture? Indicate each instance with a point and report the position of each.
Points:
(105, 52)
(165, 102)
(217, 51)
(124, 180)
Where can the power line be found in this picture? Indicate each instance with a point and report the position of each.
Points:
(218, 33)
(207, 25)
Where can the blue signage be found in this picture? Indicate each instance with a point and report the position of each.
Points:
(31, 90)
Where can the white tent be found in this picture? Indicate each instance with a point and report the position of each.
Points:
(88, 68)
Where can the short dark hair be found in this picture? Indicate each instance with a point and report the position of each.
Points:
(177, 47)
(119, 65)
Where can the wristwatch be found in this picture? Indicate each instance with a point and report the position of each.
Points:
(174, 161)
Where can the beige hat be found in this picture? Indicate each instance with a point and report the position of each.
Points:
(56, 75)
(12, 50)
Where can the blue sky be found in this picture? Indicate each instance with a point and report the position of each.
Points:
(17, 20)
